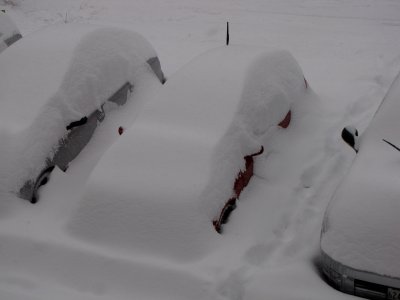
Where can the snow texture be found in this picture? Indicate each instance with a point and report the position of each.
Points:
(349, 52)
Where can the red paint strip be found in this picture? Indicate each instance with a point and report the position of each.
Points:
(242, 180)
(286, 121)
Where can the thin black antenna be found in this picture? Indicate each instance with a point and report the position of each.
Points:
(389, 143)
(227, 33)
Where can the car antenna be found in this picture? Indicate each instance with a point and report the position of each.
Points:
(227, 33)
(389, 143)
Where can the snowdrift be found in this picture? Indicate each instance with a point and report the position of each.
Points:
(56, 78)
(159, 188)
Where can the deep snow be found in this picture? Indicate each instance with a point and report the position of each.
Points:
(168, 177)
(349, 52)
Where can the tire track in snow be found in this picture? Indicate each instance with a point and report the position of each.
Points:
(316, 183)
(319, 180)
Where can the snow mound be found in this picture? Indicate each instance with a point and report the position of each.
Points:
(80, 67)
(361, 223)
(157, 190)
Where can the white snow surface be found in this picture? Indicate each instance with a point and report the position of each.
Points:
(57, 76)
(349, 52)
(361, 225)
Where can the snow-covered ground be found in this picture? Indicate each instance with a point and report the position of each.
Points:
(349, 53)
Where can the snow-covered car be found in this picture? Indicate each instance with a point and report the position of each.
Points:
(142, 223)
(56, 86)
(9, 32)
(360, 241)
(182, 166)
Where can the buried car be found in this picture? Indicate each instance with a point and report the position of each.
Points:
(9, 32)
(360, 241)
(181, 168)
(56, 87)
(142, 225)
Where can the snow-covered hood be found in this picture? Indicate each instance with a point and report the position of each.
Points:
(361, 226)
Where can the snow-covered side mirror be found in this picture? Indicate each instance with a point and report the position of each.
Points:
(350, 136)
(155, 65)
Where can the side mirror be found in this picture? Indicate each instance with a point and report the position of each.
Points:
(350, 136)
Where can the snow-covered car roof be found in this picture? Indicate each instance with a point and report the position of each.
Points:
(9, 32)
(57, 54)
(175, 168)
(55, 77)
(361, 225)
